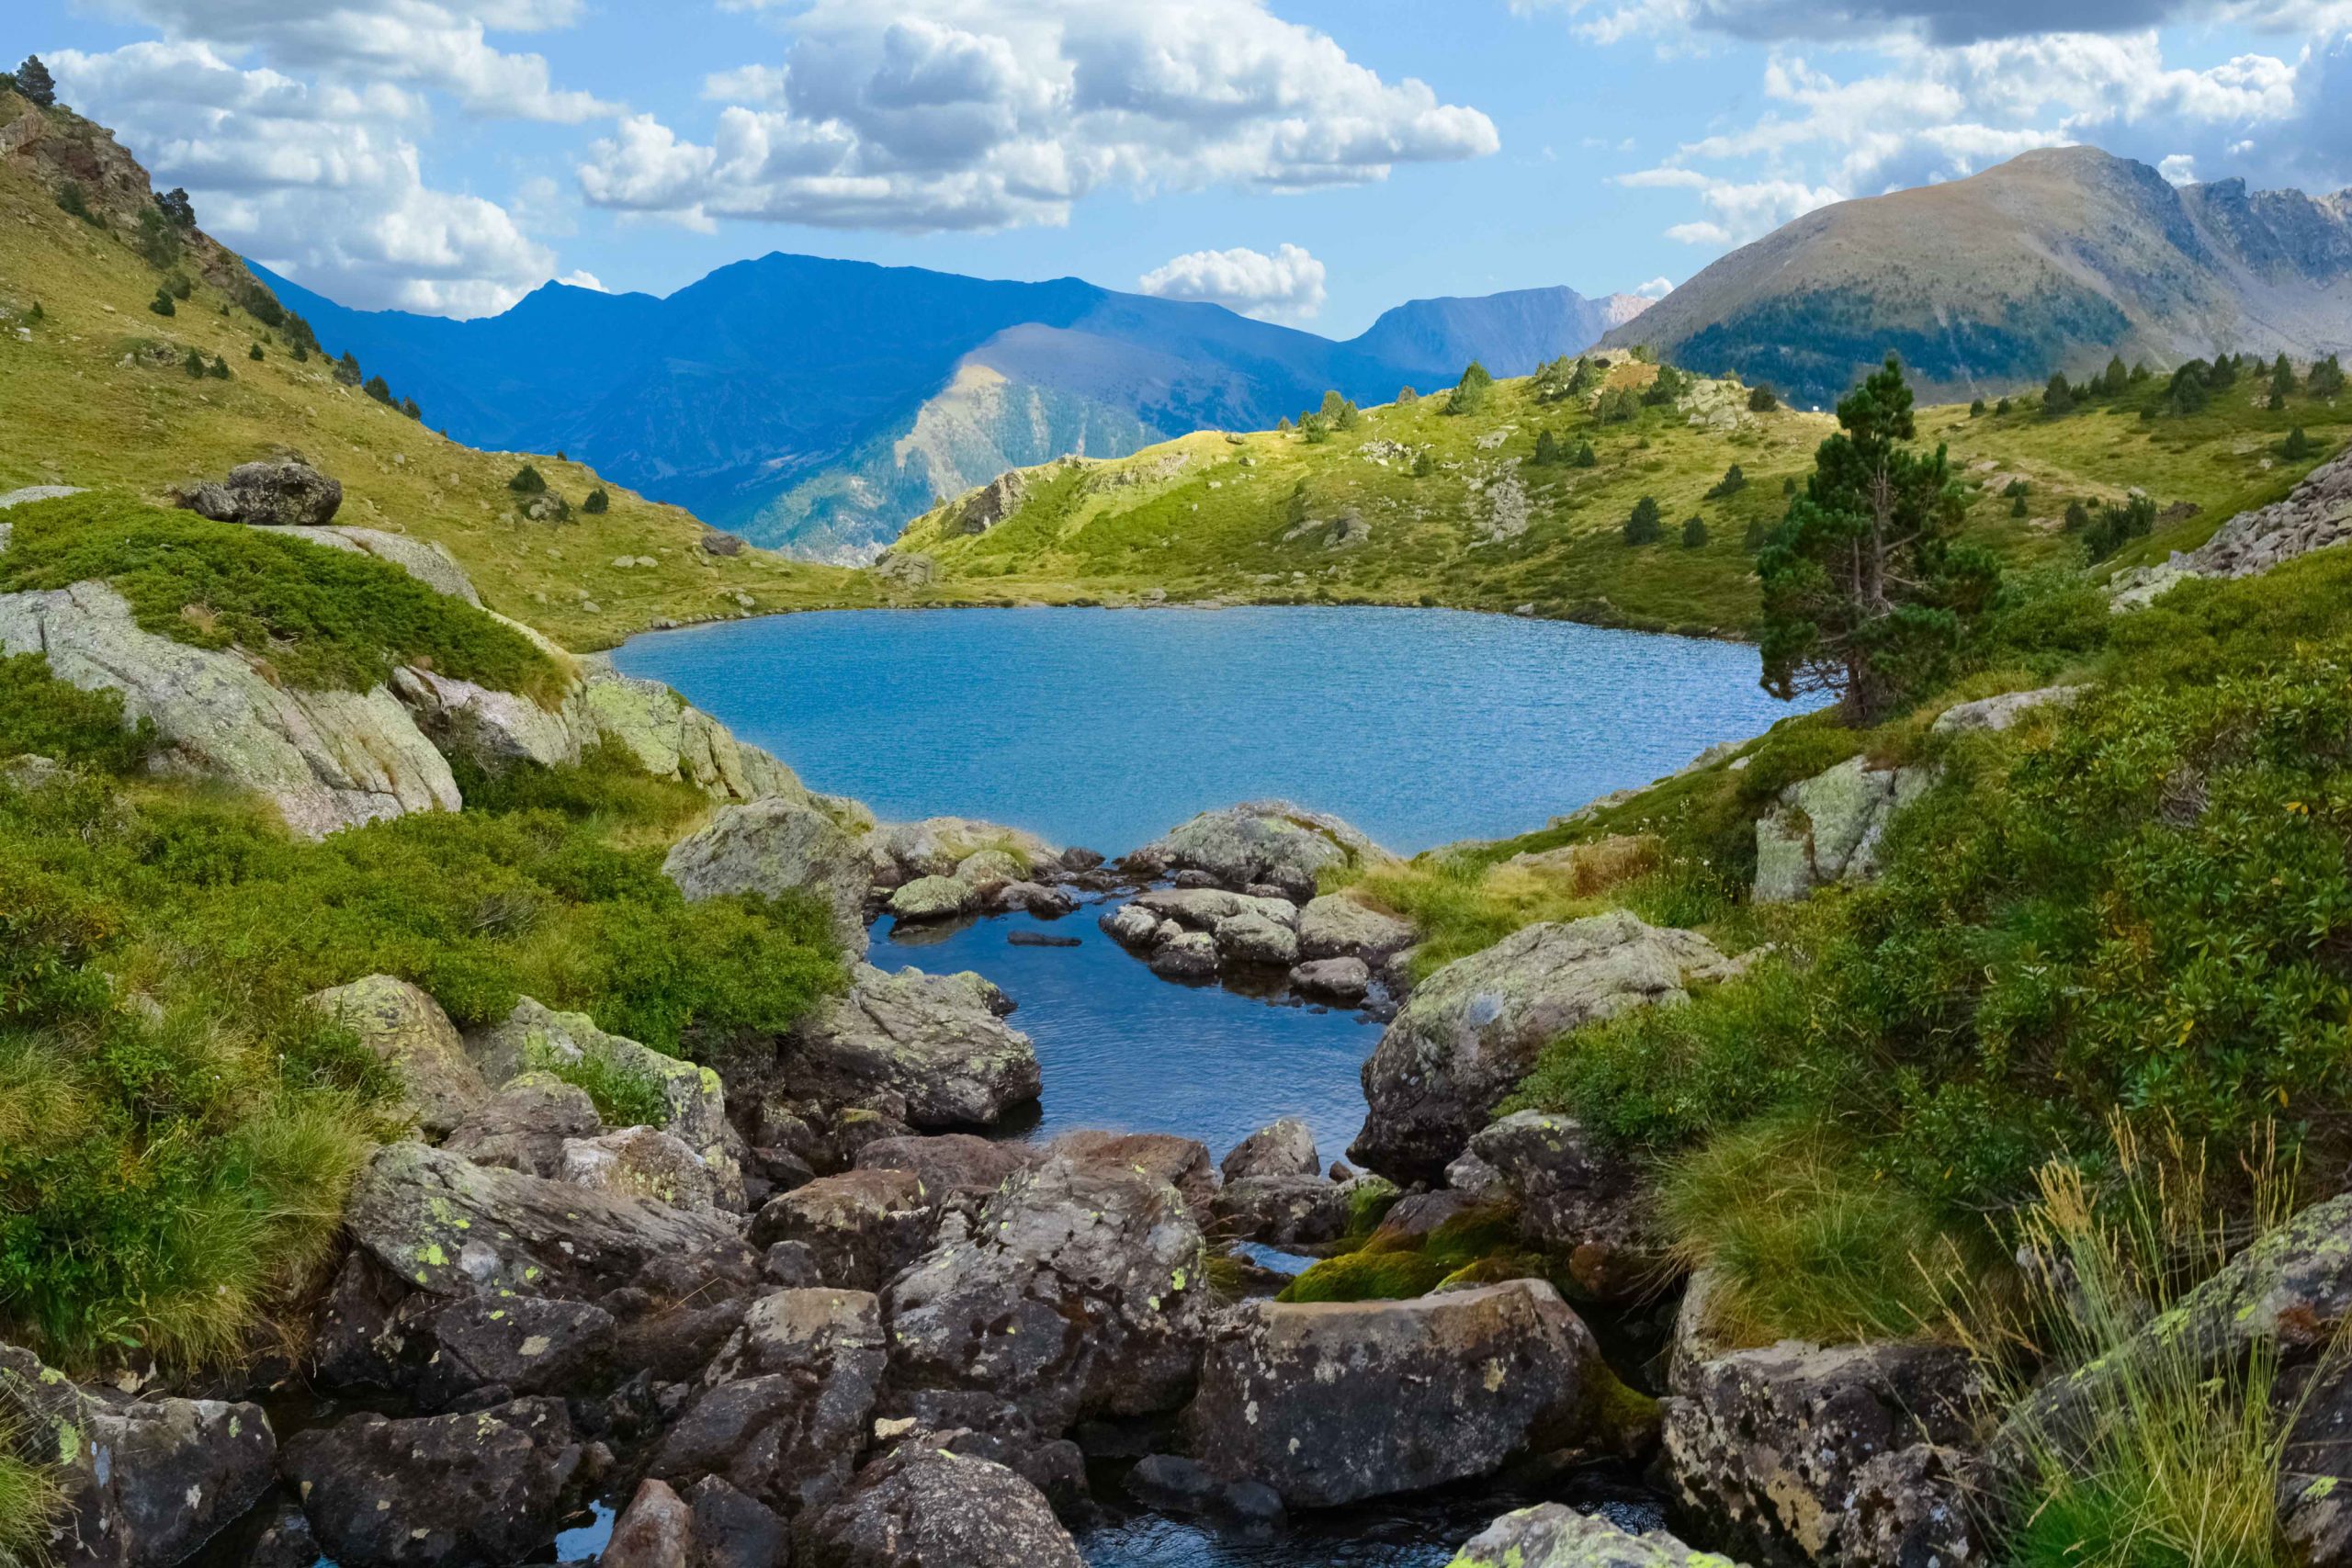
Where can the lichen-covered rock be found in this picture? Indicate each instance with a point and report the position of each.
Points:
(520, 1344)
(934, 898)
(736, 1532)
(1998, 714)
(1182, 954)
(1471, 1031)
(1335, 926)
(1284, 1210)
(937, 1041)
(1253, 939)
(639, 1162)
(952, 1165)
(1555, 1536)
(1699, 1335)
(524, 1126)
(1268, 842)
(1331, 1402)
(1796, 1454)
(439, 1083)
(1207, 909)
(775, 847)
(1183, 1163)
(941, 846)
(922, 1507)
(656, 1530)
(1826, 828)
(1131, 925)
(1285, 1148)
(145, 1483)
(671, 737)
(1578, 1198)
(1342, 980)
(285, 493)
(862, 1227)
(436, 1491)
(1080, 1292)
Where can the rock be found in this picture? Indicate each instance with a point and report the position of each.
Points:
(30, 773)
(718, 543)
(934, 898)
(913, 570)
(991, 870)
(952, 1165)
(486, 1487)
(670, 737)
(1281, 1148)
(1184, 955)
(324, 760)
(920, 1506)
(735, 1531)
(538, 1038)
(1038, 899)
(938, 846)
(442, 1224)
(1207, 908)
(783, 1409)
(1253, 939)
(1284, 1210)
(1796, 1452)
(1335, 926)
(773, 847)
(1575, 1199)
(2315, 1469)
(656, 1530)
(1330, 1403)
(1826, 828)
(1270, 842)
(490, 728)
(284, 1542)
(939, 1042)
(283, 493)
(1041, 939)
(525, 1125)
(521, 1344)
(28, 494)
(1174, 1484)
(410, 1032)
(1999, 713)
(1471, 1031)
(1342, 980)
(639, 1162)
(1081, 1291)
(1131, 925)
(1697, 1337)
(992, 503)
(1555, 1536)
(2316, 513)
(863, 1227)
(1183, 1163)
(142, 1483)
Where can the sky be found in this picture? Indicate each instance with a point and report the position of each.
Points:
(1303, 161)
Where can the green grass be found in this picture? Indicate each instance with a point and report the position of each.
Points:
(30, 1497)
(1477, 1246)
(624, 1094)
(320, 618)
(45, 717)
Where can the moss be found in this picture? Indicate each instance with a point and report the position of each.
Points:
(1364, 1277)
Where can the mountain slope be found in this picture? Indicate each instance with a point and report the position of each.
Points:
(93, 392)
(1511, 333)
(2052, 261)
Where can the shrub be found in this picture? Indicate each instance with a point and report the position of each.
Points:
(1762, 399)
(527, 481)
(1472, 392)
(217, 369)
(1694, 532)
(1666, 385)
(1584, 456)
(2002, 407)
(158, 240)
(1976, 408)
(1731, 484)
(1547, 449)
(176, 208)
(255, 352)
(2326, 379)
(194, 364)
(378, 388)
(42, 715)
(2116, 526)
(71, 201)
(1616, 405)
(2298, 445)
(162, 304)
(1407, 397)
(1644, 524)
(1423, 464)
(597, 504)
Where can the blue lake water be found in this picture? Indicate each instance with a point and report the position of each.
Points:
(1105, 727)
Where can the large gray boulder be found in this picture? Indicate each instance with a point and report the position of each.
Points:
(1576, 1198)
(1826, 828)
(1471, 1030)
(440, 1084)
(144, 1483)
(671, 737)
(2001, 712)
(939, 1042)
(1846, 1457)
(1555, 1536)
(285, 493)
(772, 848)
(1284, 1147)
(525, 1125)
(923, 1506)
(1331, 1402)
(1081, 1291)
(1338, 926)
(1270, 843)
(1284, 1210)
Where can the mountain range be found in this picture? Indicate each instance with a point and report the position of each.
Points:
(2052, 261)
(816, 405)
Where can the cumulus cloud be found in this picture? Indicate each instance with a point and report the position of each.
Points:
(1285, 287)
(981, 114)
(1936, 21)
(1656, 288)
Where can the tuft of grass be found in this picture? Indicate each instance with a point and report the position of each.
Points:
(31, 1499)
(624, 1093)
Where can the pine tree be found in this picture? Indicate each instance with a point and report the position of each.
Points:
(176, 208)
(162, 304)
(219, 370)
(378, 388)
(346, 369)
(1470, 393)
(527, 481)
(1423, 466)
(2117, 377)
(1644, 524)
(253, 353)
(2326, 379)
(36, 84)
(1976, 408)
(1762, 399)
(1694, 532)
(2058, 397)
(1547, 449)
(1584, 456)
(598, 501)
(409, 407)
(2298, 445)
(193, 364)
(1732, 483)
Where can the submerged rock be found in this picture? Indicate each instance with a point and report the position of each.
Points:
(776, 847)
(922, 1507)
(1342, 980)
(937, 1041)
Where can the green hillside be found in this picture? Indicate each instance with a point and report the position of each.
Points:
(1411, 503)
(95, 390)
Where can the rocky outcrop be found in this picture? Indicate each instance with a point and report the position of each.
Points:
(1556, 1536)
(774, 848)
(1576, 1200)
(1261, 843)
(1826, 828)
(951, 1166)
(1081, 1291)
(1998, 714)
(1471, 1031)
(427, 560)
(492, 729)
(992, 503)
(439, 1083)
(639, 1162)
(938, 1042)
(144, 1483)
(284, 493)
(1843, 1456)
(671, 737)
(2315, 514)
(1331, 1402)
(923, 1506)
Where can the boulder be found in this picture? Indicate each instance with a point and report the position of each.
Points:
(1280, 1148)
(284, 493)
(1999, 713)
(1335, 926)
(1252, 939)
(1575, 1199)
(783, 1409)
(1342, 980)
(1798, 1453)
(862, 1227)
(2314, 1488)
(1207, 908)
(1331, 1402)
(445, 1225)
(938, 1042)
(525, 1125)
(1284, 1210)
(519, 1344)
(1131, 925)
(656, 1530)
(1183, 1163)
(934, 898)
(1268, 842)
(144, 1483)
(1698, 1335)
(1555, 1536)
(773, 847)
(671, 737)
(324, 760)
(639, 1162)
(953, 1166)
(1037, 898)
(406, 1028)
(1080, 1293)
(1184, 955)
(491, 729)
(1471, 1031)
(939, 846)
(1826, 828)
(485, 1487)
(732, 1531)
(923, 1506)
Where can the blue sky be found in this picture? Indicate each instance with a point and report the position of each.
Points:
(1303, 160)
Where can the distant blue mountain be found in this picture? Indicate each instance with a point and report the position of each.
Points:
(816, 405)
(1510, 334)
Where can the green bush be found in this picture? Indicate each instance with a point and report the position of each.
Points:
(1473, 392)
(1694, 532)
(1644, 524)
(597, 504)
(324, 619)
(42, 715)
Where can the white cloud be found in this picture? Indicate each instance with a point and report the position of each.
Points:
(1936, 21)
(979, 114)
(1656, 288)
(580, 277)
(1285, 287)
(2179, 168)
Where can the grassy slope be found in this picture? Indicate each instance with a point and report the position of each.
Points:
(75, 413)
(1214, 523)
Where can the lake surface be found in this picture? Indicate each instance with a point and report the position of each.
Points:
(1106, 728)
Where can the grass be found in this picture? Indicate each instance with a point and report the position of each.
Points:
(30, 1497)
(1476, 1246)
(625, 1095)
(320, 618)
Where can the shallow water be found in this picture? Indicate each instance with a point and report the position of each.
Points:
(1105, 727)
